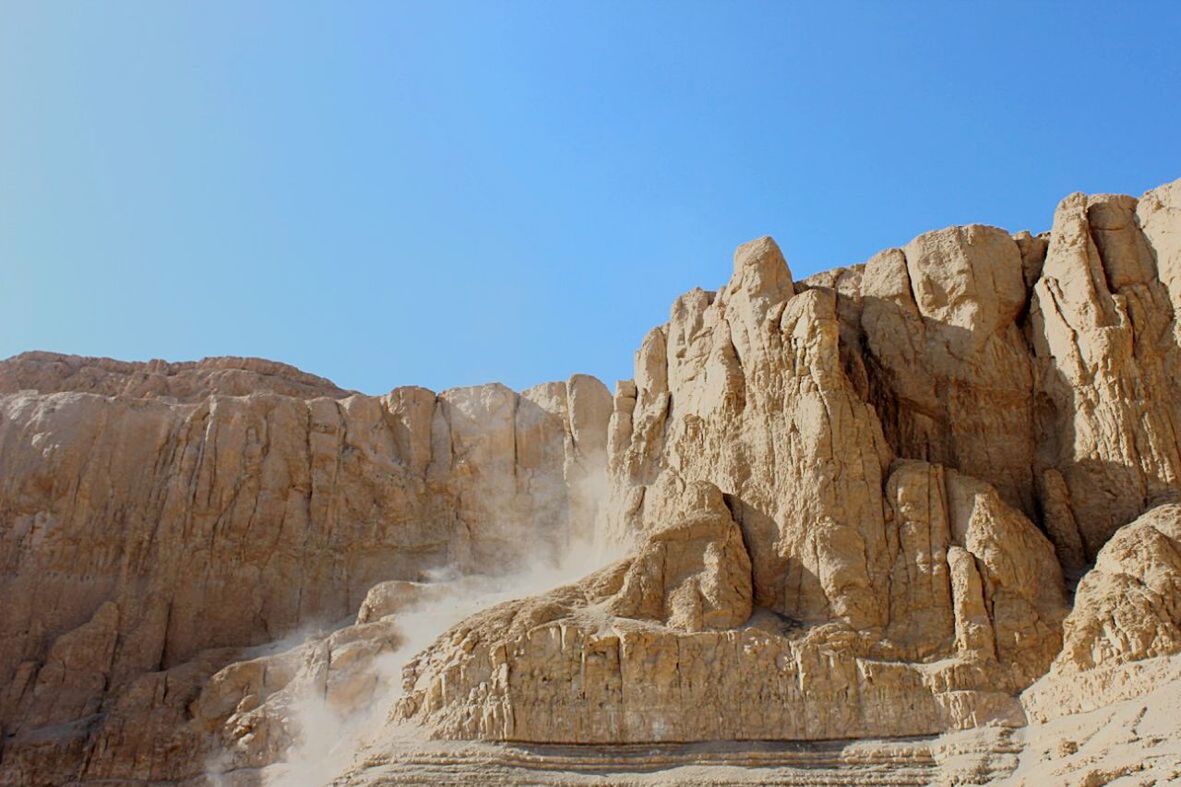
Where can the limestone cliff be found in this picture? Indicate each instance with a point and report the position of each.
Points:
(160, 520)
(917, 496)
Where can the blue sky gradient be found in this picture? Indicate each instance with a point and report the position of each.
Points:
(451, 193)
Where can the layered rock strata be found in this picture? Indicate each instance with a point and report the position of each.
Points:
(883, 436)
(853, 506)
(154, 524)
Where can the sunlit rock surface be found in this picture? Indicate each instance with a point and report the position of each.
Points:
(933, 495)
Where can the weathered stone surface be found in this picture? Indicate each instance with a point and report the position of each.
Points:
(971, 569)
(745, 390)
(634, 652)
(848, 505)
(184, 382)
(144, 526)
(949, 367)
(1101, 324)
(692, 574)
(1111, 726)
(1128, 607)
(1107, 707)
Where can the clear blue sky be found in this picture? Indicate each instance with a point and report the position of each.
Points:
(449, 193)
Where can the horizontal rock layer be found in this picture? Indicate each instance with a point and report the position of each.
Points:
(142, 532)
(915, 450)
(852, 506)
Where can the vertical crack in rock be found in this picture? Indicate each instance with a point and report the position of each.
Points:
(850, 507)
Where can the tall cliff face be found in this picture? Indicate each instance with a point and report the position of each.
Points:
(161, 517)
(914, 451)
(850, 503)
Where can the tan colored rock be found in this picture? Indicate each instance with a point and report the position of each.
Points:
(922, 617)
(161, 520)
(950, 369)
(71, 682)
(849, 503)
(1059, 522)
(1101, 325)
(1068, 411)
(1128, 607)
(970, 570)
(1033, 255)
(1118, 728)
(1159, 215)
(973, 629)
(189, 381)
(1020, 577)
(398, 595)
(693, 573)
(745, 390)
(1121, 642)
(628, 654)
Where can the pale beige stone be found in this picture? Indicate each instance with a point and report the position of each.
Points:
(1101, 326)
(847, 503)
(158, 520)
(950, 371)
(1128, 607)
(975, 605)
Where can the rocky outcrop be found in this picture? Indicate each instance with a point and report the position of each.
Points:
(882, 436)
(890, 567)
(182, 382)
(1041, 365)
(1128, 607)
(145, 527)
(1107, 707)
(1121, 639)
(693, 573)
(634, 652)
(1101, 323)
(946, 359)
(971, 569)
(851, 507)
(744, 389)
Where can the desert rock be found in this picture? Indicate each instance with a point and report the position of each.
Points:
(153, 519)
(931, 494)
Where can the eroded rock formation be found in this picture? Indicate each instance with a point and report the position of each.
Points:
(853, 506)
(637, 652)
(154, 527)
